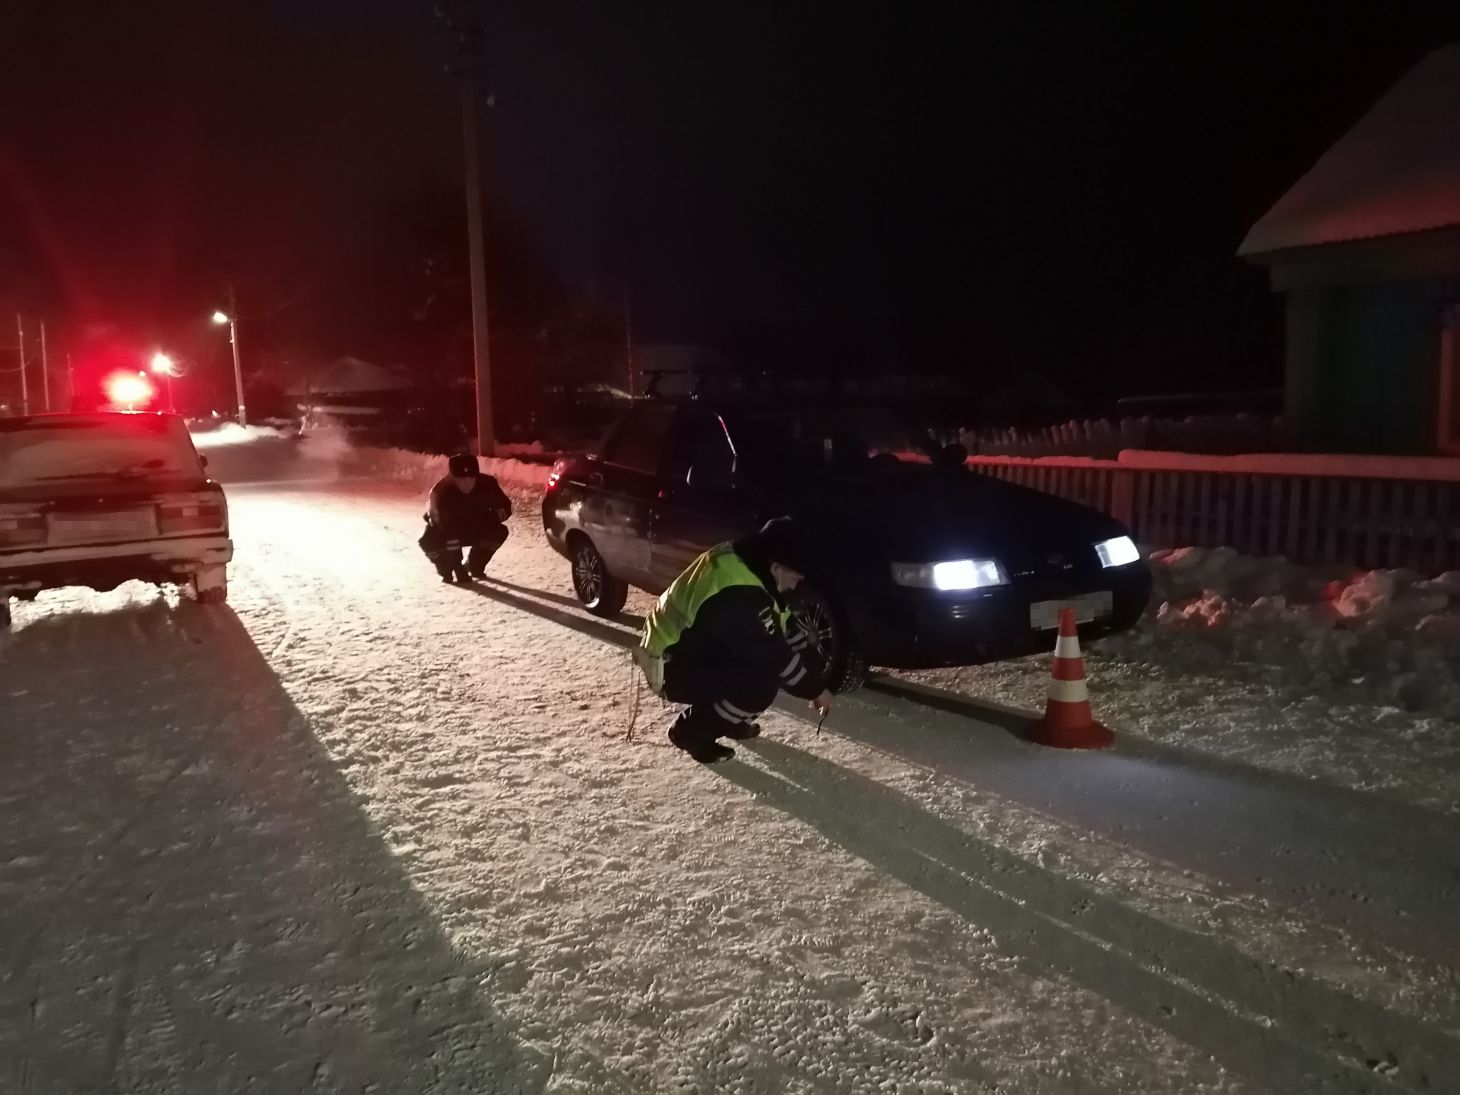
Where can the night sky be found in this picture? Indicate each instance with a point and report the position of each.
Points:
(1025, 194)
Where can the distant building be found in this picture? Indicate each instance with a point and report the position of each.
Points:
(1366, 247)
(350, 391)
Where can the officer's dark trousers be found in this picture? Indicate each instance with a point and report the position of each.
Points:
(445, 554)
(721, 693)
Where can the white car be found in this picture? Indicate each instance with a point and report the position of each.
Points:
(100, 499)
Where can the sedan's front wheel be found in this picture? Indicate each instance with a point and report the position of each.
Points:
(601, 593)
(826, 625)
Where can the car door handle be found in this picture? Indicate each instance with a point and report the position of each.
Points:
(595, 479)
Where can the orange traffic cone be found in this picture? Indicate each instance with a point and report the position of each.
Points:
(1068, 722)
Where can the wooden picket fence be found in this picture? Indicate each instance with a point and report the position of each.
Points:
(1311, 510)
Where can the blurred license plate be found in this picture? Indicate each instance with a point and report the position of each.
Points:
(90, 528)
(1045, 615)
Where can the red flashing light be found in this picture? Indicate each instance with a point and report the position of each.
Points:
(128, 391)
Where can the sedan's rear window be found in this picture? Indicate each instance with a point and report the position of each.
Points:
(37, 452)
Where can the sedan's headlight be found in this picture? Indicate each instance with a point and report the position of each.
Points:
(1119, 552)
(954, 574)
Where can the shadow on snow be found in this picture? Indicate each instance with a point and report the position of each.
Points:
(194, 898)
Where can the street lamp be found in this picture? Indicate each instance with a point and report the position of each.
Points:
(221, 318)
(163, 365)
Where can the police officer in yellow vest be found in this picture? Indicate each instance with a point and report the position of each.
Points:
(722, 641)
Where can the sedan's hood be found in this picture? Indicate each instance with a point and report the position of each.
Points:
(917, 514)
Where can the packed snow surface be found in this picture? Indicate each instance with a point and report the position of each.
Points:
(359, 831)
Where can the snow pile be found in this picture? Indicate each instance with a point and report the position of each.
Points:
(333, 449)
(1389, 634)
(1106, 438)
(531, 448)
(255, 453)
(425, 468)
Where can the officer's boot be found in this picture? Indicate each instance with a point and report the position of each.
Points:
(694, 734)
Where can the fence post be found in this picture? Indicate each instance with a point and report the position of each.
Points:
(1122, 497)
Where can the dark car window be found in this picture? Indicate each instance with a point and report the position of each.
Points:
(638, 442)
(800, 442)
(700, 452)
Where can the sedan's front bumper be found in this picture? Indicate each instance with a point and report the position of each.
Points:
(926, 629)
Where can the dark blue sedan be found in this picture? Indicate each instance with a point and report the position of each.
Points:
(920, 562)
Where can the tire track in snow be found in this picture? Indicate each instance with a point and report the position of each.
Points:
(116, 1035)
(31, 1012)
(93, 853)
(1258, 1018)
(258, 579)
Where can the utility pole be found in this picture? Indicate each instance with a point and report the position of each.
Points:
(20, 354)
(629, 341)
(237, 367)
(45, 369)
(467, 70)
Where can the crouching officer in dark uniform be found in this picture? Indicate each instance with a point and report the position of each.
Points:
(468, 510)
(722, 641)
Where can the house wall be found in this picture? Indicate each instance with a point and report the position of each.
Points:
(1363, 368)
(1363, 344)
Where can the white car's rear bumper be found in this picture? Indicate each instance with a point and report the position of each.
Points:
(46, 568)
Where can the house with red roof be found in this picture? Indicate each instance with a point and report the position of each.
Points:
(1366, 249)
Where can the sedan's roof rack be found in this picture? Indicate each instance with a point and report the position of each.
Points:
(656, 377)
(743, 383)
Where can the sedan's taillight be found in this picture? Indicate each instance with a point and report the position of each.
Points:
(203, 515)
(18, 528)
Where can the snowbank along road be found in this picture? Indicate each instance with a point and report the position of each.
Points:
(359, 831)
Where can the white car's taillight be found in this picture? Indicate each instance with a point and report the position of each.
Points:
(206, 513)
(21, 527)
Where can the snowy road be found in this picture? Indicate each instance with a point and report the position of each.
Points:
(359, 831)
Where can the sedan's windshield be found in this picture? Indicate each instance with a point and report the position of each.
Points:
(100, 448)
(841, 441)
